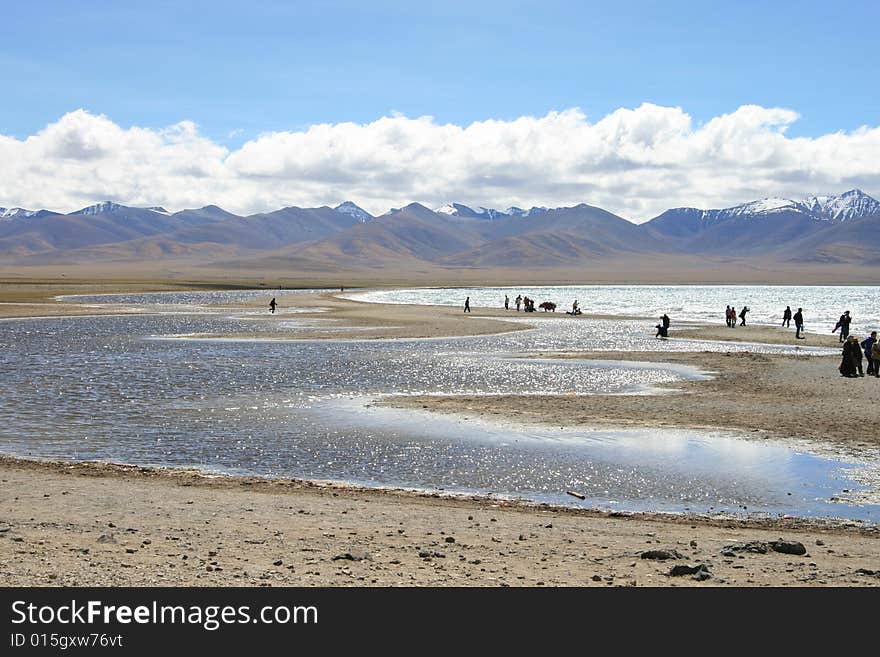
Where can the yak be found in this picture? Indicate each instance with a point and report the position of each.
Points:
(547, 305)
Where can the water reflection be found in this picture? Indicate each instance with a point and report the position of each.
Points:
(104, 388)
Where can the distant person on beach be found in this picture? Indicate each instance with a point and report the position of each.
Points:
(727, 316)
(742, 315)
(843, 325)
(467, 305)
(786, 317)
(867, 346)
(732, 317)
(506, 302)
(272, 305)
(875, 356)
(662, 331)
(851, 359)
(665, 321)
(575, 308)
(799, 324)
(518, 301)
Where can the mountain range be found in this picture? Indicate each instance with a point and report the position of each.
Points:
(843, 229)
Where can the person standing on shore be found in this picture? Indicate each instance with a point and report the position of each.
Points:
(727, 316)
(665, 321)
(272, 305)
(506, 302)
(799, 324)
(843, 325)
(868, 347)
(733, 317)
(851, 358)
(467, 305)
(742, 315)
(786, 317)
(518, 301)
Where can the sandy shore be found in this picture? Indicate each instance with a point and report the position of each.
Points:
(96, 524)
(87, 524)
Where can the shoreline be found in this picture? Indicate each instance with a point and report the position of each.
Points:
(141, 526)
(101, 524)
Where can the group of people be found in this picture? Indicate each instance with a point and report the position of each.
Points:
(521, 302)
(663, 327)
(851, 360)
(730, 316)
(798, 321)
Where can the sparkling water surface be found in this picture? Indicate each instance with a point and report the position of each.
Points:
(822, 305)
(117, 388)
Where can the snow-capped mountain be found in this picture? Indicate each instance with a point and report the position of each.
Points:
(461, 210)
(353, 210)
(19, 213)
(854, 204)
(104, 207)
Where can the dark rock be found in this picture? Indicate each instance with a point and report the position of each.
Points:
(702, 576)
(758, 547)
(449, 539)
(357, 556)
(788, 547)
(104, 538)
(865, 571)
(820, 542)
(596, 578)
(3, 530)
(662, 555)
(682, 569)
(277, 563)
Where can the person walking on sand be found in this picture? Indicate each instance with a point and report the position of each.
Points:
(742, 315)
(799, 324)
(868, 346)
(272, 305)
(506, 302)
(467, 305)
(786, 317)
(665, 321)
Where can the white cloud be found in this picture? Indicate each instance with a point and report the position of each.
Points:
(635, 162)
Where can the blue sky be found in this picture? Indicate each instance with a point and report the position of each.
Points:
(243, 68)
(632, 106)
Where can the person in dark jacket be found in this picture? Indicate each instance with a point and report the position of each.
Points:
(799, 324)
(786, 316)
(467, 305)
(851, 360)
(868, 346)
(843, 325)
(272, 305)
(727, 316)
(742, 315)
(665, 321)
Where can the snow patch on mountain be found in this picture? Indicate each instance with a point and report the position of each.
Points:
(17, 213)
(353, 210)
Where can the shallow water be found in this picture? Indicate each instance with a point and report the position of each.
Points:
(112, 388)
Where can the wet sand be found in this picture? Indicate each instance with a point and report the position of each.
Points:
(87, 524)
